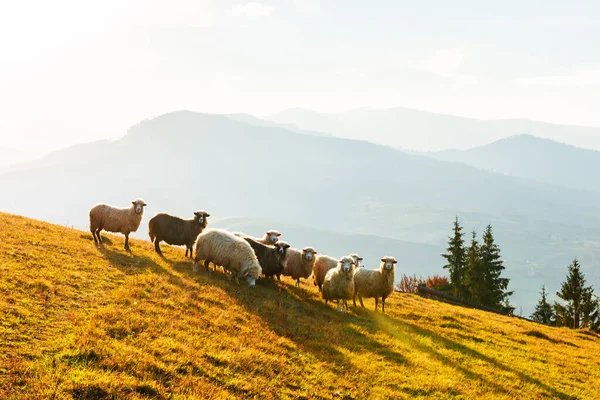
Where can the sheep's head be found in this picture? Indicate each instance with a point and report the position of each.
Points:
(388, 263)
(252, 274)
(281, 247)
(138, 205)
(201, 217)
(308, 253)
(357, 259)
(347, 264)
(273, 236)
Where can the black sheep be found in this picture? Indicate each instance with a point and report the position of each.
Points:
(177, 231)
(270, 258)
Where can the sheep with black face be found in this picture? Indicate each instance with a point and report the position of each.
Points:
(271, 258)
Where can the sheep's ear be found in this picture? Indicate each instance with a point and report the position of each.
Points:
(144, 204)
(278, 234)
(383, 260)
(359, 259)
(207, 215)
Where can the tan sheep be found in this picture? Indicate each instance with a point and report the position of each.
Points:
(375, 283)
(270, 238)
(299, 264)
(339, 283)
(324, 263)
(229, 251)
(113, 219)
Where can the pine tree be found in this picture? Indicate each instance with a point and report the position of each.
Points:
(455, 257)
(494, 292)
(544, 313)
(581, 308)
(473, 272)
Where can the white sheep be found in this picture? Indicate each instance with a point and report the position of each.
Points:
(375, 283)
(339, 283)
(324, 263)
(299, 264)
(270, 238)
(113, 219)
(229, 251)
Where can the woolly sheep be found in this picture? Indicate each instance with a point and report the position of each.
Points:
(339, 283)
(113, 219)
(270, 238)
(270, 258)
(375, 283)
(177, 231)
(324, 263)
(299, 264)
(229, 251)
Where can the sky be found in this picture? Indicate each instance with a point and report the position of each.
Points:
(76, 71)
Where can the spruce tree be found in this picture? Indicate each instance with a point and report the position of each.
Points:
(581, 308)
(494, 292)
(473, 273)
(455, 258)
(544, 313)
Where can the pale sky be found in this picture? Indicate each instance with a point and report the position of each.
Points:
(76, 71)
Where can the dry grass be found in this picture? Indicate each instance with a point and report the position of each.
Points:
(78, 322)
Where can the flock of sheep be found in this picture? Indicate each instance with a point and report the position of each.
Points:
(248, 257)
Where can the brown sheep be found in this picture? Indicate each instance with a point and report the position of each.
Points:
(114, 219)
(177, 231)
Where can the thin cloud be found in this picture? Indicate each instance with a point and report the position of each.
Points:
(588, 76)
(251, 10)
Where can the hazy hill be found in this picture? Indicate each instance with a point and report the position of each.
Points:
(10, 157)
(425, 131)
(79, 322)
(252, 120)
(183, 161)
(531, 157)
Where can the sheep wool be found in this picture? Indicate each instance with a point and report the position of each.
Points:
(339, 283)
(375, 283)
(229, 251)
(299, 264)
(118, 220)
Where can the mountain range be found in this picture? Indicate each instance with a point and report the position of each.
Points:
(336, 194)
(424, 131)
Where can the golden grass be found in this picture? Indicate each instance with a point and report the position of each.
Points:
(79, 322)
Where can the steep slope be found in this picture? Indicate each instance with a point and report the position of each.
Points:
(87, 323)
(531, 157)
(425, 131)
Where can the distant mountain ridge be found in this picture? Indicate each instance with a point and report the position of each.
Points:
(425, 131)
(530, 157)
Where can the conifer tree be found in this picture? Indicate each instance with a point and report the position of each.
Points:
(581, 307)
(455, 258)
(544, 313)
(495, 288)
(473, 273)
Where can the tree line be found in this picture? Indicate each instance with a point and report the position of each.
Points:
(475, 269)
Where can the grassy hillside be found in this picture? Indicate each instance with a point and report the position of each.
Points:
(80, 322)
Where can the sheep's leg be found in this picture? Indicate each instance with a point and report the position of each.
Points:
(206, 265)
(354, 300)
(94, 236)
(345, 306)
(127, 242)
(298, 282)
(157, 247)
(383, 304)
(376, 302)
(361, 302)
(320, 289)
(279, 277)
(196, 266)
(98, 234)
(338, 306)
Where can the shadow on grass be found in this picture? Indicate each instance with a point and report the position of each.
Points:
(397, 328)
(541, 335)
(314, 327)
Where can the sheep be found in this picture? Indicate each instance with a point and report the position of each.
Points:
(271, 237)
(177, 231)
(339, 283)
(113, 219)
(325, 263)
(299, 264)
(375, 283)
(271, 258)
(229, 251)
